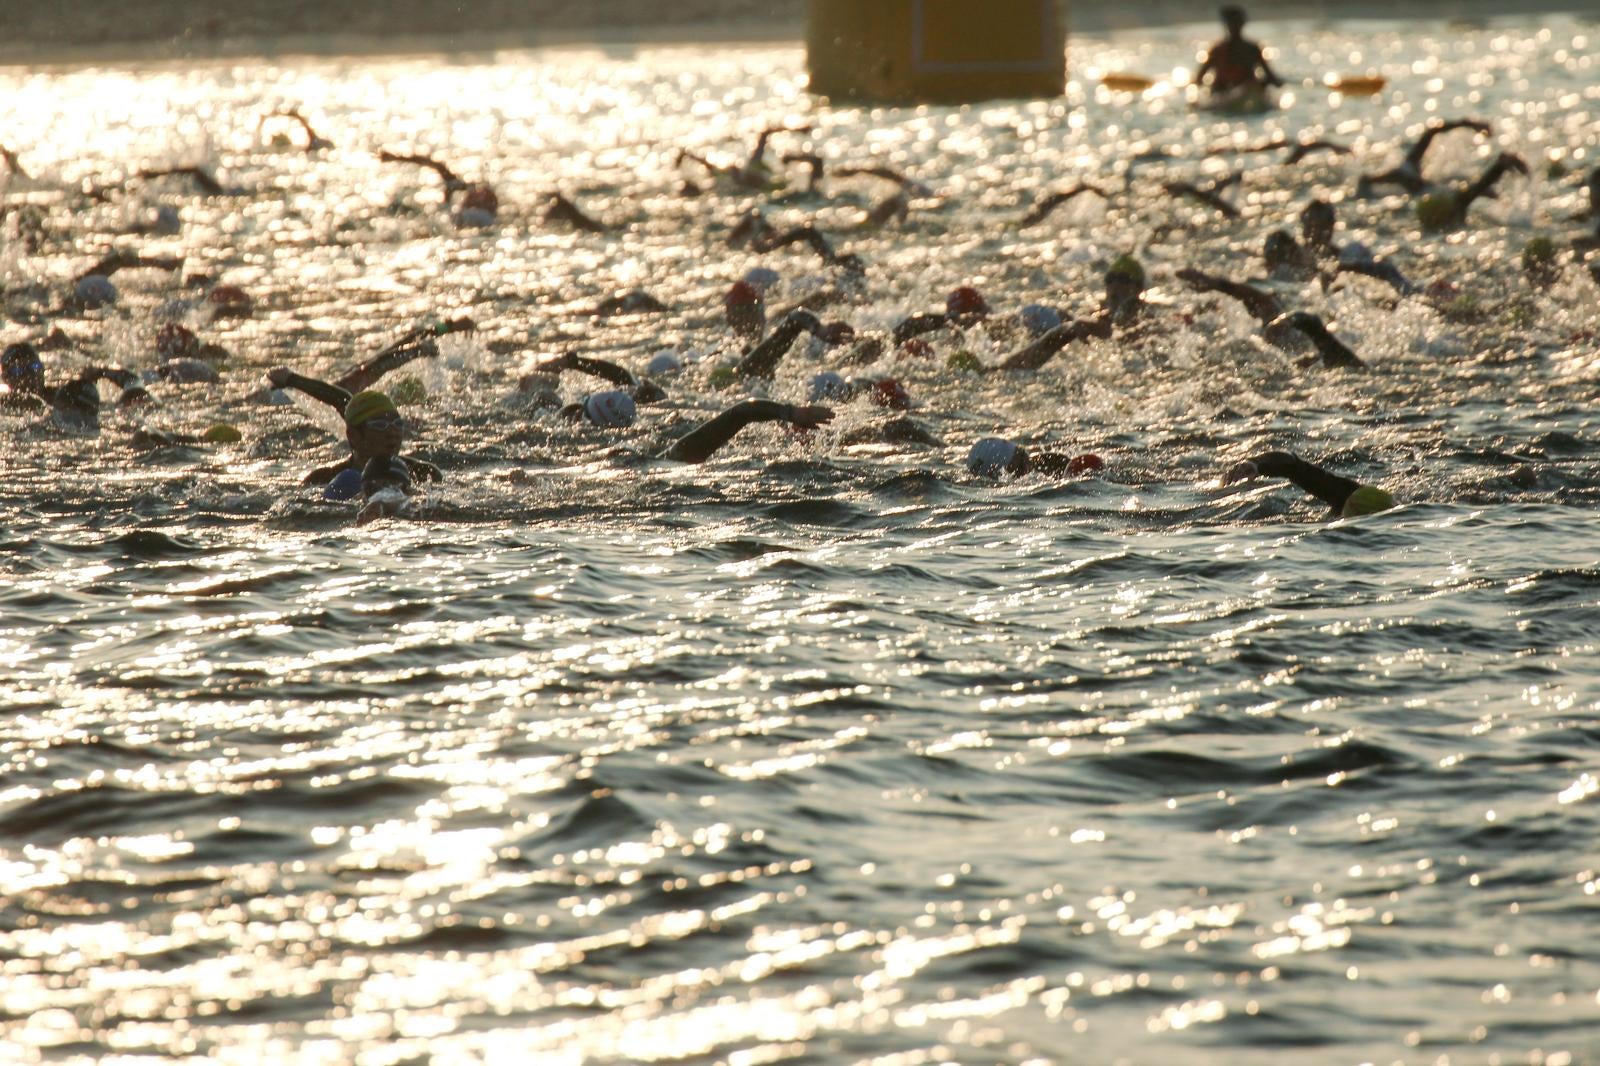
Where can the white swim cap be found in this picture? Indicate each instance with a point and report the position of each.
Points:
(613, 409)
(1038, 319)
(991, 457)
(664, 363)
(762, 279)
(828, 385)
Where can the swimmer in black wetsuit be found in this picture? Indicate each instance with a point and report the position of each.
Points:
(642, 390)
(1345, 498)
(700, 443)
(73, 405)
(1121, 308)
(1448, 210)
(416, 344)
(993, 456)
(479, 202)
(1235, 63)
(1407, 174)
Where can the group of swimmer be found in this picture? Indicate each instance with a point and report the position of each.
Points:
(376, 473)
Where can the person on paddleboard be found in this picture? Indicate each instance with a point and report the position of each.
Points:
(1235, 64)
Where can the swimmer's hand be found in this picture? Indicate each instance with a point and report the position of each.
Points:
(278, 377)
(1243, 470)
(810, 416)
(422, 470)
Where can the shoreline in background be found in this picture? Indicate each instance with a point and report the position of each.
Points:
(96, 32)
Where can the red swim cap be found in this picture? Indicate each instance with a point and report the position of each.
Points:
(481, 197)
(740, 294)
(175, 341)
(966, 302)
(1082, 464)
(916, 348)
(887, 392)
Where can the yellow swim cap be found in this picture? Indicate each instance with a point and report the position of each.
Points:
(223, 433)
(1367, 500)
(365, 406)
(1126, 266)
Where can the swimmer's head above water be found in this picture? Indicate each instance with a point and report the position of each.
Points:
(373, 426)
(22, 369)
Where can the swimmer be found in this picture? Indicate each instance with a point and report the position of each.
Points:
(1298, 150)
(1448, 210)
(811, 238)
(993, 456)
(636, 302)
(12, 165)
(1408, 173)
(374, 429)
(315, 142)
(115, 261)
(700, 443)
(1317, 223)
(1333, 353)
(203, 179)
(560, 209)
(751, 229)
(964, 307)
(1263, 306)
(385, 488)
(1042, 209)
(891, 208)
(1345, 498)
(641, 390)
(1285, 257)
(1122, 307)
(762, 360)
(73, 405)
(479, 202)
(1235, 63)
(744, 308)
(814, 168)
(1208, 194)
(910, 186)
(755, 173)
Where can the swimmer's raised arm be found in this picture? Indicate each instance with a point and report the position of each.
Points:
(763, 359)
(1343, 496)
(702, 441)
(281, 377)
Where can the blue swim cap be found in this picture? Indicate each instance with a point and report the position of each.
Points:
(991, 457)
(346, 485)
(1038, 319)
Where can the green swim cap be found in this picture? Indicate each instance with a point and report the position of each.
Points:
(1367, 500)
(963, 361)
(223, 433)
(722, 377)
(365, 406)
(1126, 266)
(409, 389)
(1436, 210)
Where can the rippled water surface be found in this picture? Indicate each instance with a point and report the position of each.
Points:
(822, 751)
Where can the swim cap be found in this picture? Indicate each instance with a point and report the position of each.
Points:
(480, 198)
(176, 341)
(663, 363)
(1366, 500)
(966, 302)
(474, 218)
(1126, 266)
(365, 406)
(1038, 319)
(230, 301)
(887, 392)
(761, 279)
(829, 385)
(723, 377)
(1085, 463)
(408, 388)
(223, 433)
(612, 408)
(991, 457)
(94, 291)
(741, 294)
(163, 221)
(344, 486)
(963, 361)
(19, 359)
(1436, 210)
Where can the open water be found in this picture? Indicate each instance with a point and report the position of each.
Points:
(820, 752)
